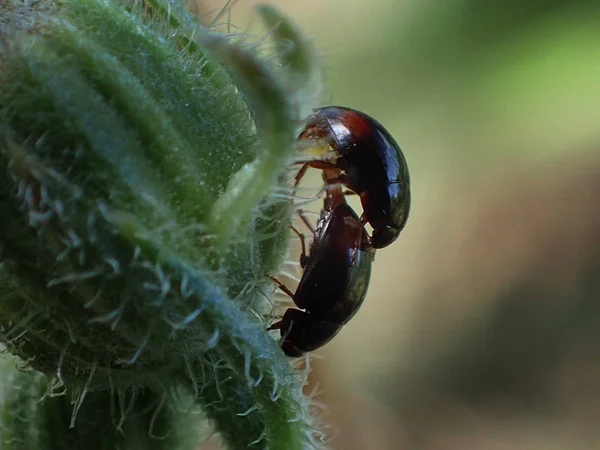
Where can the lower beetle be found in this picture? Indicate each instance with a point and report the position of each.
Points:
(334, 283)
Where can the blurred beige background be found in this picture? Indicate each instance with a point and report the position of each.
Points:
(481, 329)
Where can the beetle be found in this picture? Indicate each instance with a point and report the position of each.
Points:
(368, 161)
(334, 283)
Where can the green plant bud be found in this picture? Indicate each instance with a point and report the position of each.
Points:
(143, 196)
(134, 419)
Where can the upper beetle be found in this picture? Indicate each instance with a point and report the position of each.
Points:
(368, 161)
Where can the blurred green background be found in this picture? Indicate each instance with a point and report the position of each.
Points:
(481, 329)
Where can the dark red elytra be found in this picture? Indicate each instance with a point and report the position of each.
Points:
(334, 282)
(368, 161)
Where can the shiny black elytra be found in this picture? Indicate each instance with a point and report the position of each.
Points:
(334, 283)
(368, 161)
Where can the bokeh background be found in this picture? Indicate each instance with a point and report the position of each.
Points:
(481, 329)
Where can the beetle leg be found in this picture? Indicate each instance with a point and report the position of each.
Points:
(281, 286)
(338, 178)
(291, 316)
(303, 255)
(284, 326)
(276, 326)
(364, 221)
(304, 219)
(315, 164)
(372, 253)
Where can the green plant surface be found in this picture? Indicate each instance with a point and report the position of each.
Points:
(143, 196)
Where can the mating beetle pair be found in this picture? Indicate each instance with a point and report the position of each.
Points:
(368, 161)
